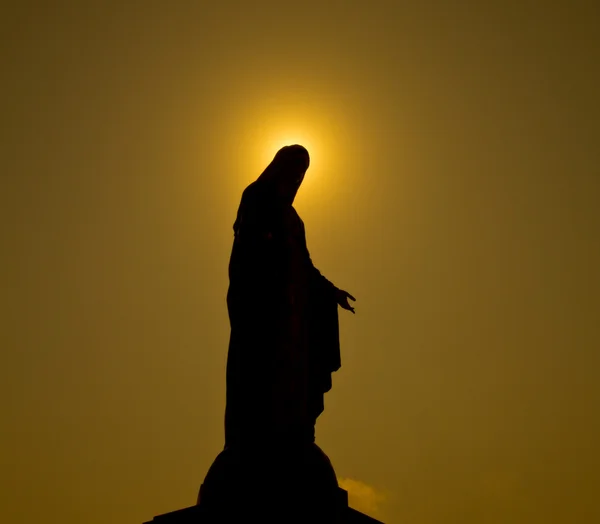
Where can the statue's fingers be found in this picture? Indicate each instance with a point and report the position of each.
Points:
(351, 297)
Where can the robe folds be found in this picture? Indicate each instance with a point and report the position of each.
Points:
(284, 341)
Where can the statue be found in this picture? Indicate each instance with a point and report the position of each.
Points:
(284, 341)
(283, 348)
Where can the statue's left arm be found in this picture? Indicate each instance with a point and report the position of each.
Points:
(316, 278)
(322, 284)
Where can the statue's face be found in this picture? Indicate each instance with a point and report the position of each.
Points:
(290, 183)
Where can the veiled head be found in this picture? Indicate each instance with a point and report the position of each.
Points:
(286, 171)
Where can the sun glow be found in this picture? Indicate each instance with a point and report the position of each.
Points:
(311, 140)
(275, 143)
(258, 130)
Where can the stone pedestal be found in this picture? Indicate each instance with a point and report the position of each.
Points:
(268, 480)
(270, 485)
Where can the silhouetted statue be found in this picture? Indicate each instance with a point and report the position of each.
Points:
(283, 348)
(284, 341)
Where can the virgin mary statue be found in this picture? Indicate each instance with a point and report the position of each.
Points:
(284, 341)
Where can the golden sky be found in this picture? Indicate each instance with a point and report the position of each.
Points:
(454, 190)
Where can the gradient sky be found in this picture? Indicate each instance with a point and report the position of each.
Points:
(454, 190)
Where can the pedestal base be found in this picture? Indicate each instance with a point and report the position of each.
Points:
(267, 481)
(283, 485)
(198, 515)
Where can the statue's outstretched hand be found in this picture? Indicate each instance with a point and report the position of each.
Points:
(342, 297)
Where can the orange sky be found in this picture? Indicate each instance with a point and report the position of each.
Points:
(454, 191)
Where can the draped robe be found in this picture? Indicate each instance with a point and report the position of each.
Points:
(284, 341)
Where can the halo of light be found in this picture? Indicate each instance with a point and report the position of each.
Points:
(265, 123)
(277, 140)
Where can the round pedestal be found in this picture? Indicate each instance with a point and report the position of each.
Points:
(295, 484)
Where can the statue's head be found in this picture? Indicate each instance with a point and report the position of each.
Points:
(286, 171)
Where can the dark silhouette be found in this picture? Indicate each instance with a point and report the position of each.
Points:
(284, 341)
(284, 346)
